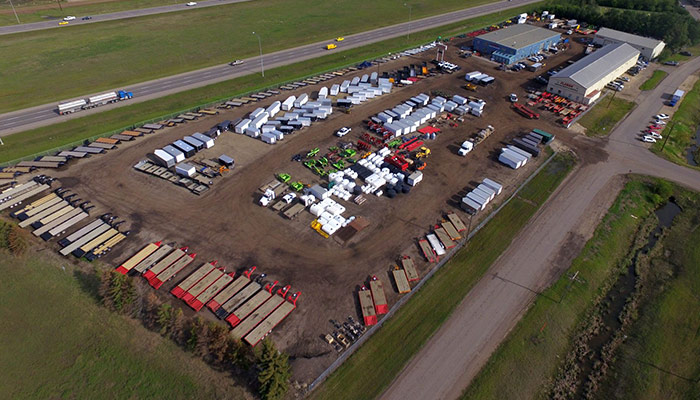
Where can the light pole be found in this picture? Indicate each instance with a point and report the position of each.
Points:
(262, 66)
(410, 9)
(13, 10)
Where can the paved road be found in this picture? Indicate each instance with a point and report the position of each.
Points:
(35, 26)
(46, 114)
(456, 353)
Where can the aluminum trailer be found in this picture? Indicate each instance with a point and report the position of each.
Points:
(71, 106)
(269, 323)
(24, 195)
(428, 252)
(401, 280)
(410, 267)
(15, 191)
(377, 288)
(206, 281)
(257, 316)
(435, 244)
(47, 211)
(149, 261)
(84, 249)
(53, 216)
(171, 271)
(80, 232)
(58, 221)
(192, 279)
(444, 238)
(367, 306)
(238, 299)
(451, 230)
(161, 265)
(102, 145)
(129, 264)
(58, 230)
(228, 292)
(73, 154)
(249, 306)
(84, 239)
(211, 291)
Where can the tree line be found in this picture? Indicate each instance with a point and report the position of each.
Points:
(677, 29)
(210, 340)
(13, 238)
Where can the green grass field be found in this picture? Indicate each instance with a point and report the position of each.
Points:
(600, 120)
(56, 342)
(372, 368)
(668, 55)
(530, 355)
(681, 129)
(46, 138)
(654, 80)
(52, 65)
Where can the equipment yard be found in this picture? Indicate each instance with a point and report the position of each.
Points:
(227, 223)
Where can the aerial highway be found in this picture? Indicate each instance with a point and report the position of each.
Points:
(46, 114)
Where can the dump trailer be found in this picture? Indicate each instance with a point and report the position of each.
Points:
(161, 265)
(204, 297)
(80, 232)
(257, 316)
(34, 204)
(451, 230)
(268, 324)
(149, 261)
(43, 213)
(228, 292)
(249, 306)
(428, 252)
(58, 221)
(367, 305)
(33, 191)
(444, 238)
(84, 249)
(410, 268)
(378, 296)
(401, 280)
(192, 279)
(171, 271)
(129, 264)
(202, 285)
(58, 230)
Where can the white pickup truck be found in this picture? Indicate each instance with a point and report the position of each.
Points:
(466, 147)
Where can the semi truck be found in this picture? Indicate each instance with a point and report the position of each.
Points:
(94, 101)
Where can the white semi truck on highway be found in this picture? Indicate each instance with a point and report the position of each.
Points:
(94, 101)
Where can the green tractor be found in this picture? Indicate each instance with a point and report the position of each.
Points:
(312, 153)
(284, 178)
(348, 153)
(310, 164)
(394, 143)
(323, 162)
(296, 186)
(339, 165)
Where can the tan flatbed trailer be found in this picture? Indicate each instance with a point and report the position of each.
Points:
(457, 222)
(427, 250)
(121, 138)
(107, 140)
(95, 242)
(84, 239)
(99, 145)
(227, 293)
(35, 204)
(294, 210)
(33, 191)
(204, 297)
(367, 306)
(451, 230)
(7, 175)
(17, 190)
(22, 170)
(59, 159)
(132, 133)
(257, 316)
(248, 307)
(53, 216)
(72, 154)
(401, 281)
(202, 285)
(29, 213)
(47, 211)
(58, 230)
(149, 261)
(172, 270)
(161, 265)
(140, 255)
(377, 288)
(208, 111)
(268, 324)
(410, 267)
(444, 238)
(192, 279)
(81, 232)
(39, 164)
(239, 298)
(58, 221)
(106, 246)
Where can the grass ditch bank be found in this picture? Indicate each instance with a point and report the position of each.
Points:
(654, 80)
(601, 120)
(373, 367)
(679, 132)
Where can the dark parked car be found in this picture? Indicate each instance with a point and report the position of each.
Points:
(686, 53)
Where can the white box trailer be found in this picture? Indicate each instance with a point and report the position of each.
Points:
(355, 81)
(487, 189)
(450, 106)
(177, 154)
(477, 199)
(344, 86)
(256, 113)
(323, 93)
(493, 185)
(260, 120)
(252, 132)
(435, 244)
(268, 138)
(364, 78)
(242, 126)
(510, 159)
(483, 193)
(459, 100)
(185, 170)
(301, 100)
(273, 109)
(519, 151)
(163, 158)
(208, 141)
(471, 204)
(373, 77)
(515, 155)
(335, 89)
(288, 103)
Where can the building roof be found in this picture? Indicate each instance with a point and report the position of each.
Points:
(595, 66)
(519, 35)
(634, 40)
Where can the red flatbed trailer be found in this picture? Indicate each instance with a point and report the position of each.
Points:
(172, 270)
(525, 112)
(129, 264)
(249, 306)
(161, 265)
(272, 320)
(260, 313)
(367, 305)
(211, 291)
(444, 238)
(230, 291)
(202, 285)
(153, 258)
(378, 295)
(236, 301)
(397, 161)
(191, 280)
(410, 267)
(414, 145)
(457, 222)
(428, 251)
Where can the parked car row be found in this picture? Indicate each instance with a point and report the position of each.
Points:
(651, 133)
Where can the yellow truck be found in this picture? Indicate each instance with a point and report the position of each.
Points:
(331, 46)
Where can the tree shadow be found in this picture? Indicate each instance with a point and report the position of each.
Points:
(89, 283)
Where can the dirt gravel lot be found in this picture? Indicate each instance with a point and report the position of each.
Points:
(228, 225)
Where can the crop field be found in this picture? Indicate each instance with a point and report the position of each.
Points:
(51, 65)
(57, 342)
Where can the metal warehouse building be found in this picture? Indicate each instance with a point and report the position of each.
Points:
(583, 80)
(512, 44)
(648, 47)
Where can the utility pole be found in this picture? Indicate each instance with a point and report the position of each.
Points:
(14, 11)
(410, 10)
(673, 125)
(262, 66)
(59, 5)
(612, 98)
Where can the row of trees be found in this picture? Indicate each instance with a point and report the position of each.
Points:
(644, 5)
(209, 340)
(13, 238)
(677, 29)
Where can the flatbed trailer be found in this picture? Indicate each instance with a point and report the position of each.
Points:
(107, 140)
(294, 210)
(171, 271)
(88, 149)
(161, 265)
(40, 164)
(34, 204)
(367, 305)
(444, 238)
(103, 227)
(451, 230)
(9, 193)
(227, 293)
(82, 250)
(202, 285)
(457, 222)
(401, 281)
(105, 247)
(257, 316)
(249, 306)
(149, 261)
(132, 133)
(121, 138)
(58, 221)
(22, 215)
(33, 191)
(44, 213)
(378, 296)
(211, 291)
(192, 279)
(100, 145)
(268, 324)
(138, 257)
(80, 232)
(58, 230)
(53, 216)
(236, 301)
(428, 251)
(59, 159)
(72, 154)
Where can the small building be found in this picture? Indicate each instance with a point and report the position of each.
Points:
(583, 80)
(516, 42)
(649, 48)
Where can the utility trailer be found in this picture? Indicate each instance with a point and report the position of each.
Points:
(40, 164)
(228, 292)
(249, 306)
(272, 320)
(367, 306)
(377, 288)
(192, 279)
(129, 264)
(401, 280)
(451, 230)
(410, 267)
(99, 145)
(69, 248)
(88, 149)
(53, 216)
(202, 285)
(171, 270)
(149, 261)
(260, 313)
(105, 236)
(58, 230)
(238, 299)
(167, 261)
(73, 154)
(294, 210)
(428, 252)
(81, 232)
(211, 291)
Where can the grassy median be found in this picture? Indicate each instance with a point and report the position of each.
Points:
(681, 130)
(373, 367)
(603, 117)
(654, 80)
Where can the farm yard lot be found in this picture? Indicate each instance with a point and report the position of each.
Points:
(228, 225)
